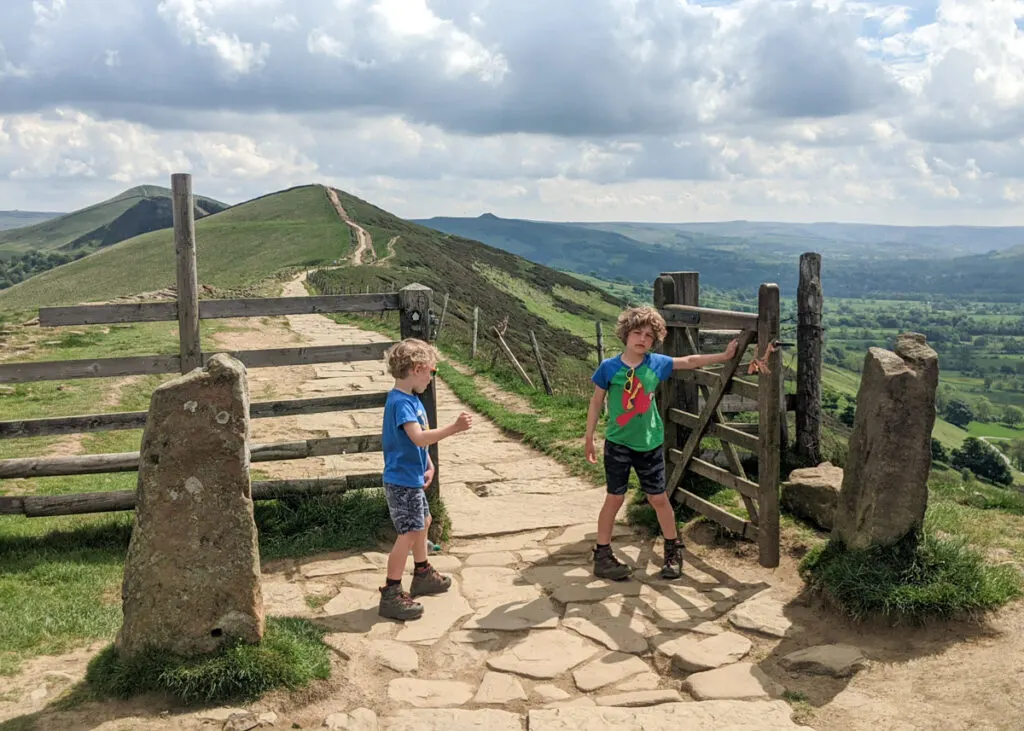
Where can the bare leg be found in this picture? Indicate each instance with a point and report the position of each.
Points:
(419, 544)
(666, 516)
(606, 519)
(399, 554)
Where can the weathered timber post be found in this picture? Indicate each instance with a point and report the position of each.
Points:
(769, 393)
(667, 394)
(600, 342)
(444, 311)
(512, 357)
(183, 215)
(688, 293)
(540, 365)
(809, 341)
(414, 303)
(476, 327)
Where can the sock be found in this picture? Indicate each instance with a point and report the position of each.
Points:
(394, 582)
(420, 565)
(603, 545)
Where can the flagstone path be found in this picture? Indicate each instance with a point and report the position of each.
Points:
(526, 637)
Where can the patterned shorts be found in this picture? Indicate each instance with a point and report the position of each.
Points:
(408, 507)
(649, 466)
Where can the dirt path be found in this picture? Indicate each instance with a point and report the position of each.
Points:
(391, 251)
(364, 247)
(527, 639)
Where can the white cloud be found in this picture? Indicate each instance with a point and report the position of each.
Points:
(643, 109)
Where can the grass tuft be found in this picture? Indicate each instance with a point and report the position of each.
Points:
(920, 578)
(291, 654)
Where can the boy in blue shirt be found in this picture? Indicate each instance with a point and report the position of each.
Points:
(408, 471)
(635, 432)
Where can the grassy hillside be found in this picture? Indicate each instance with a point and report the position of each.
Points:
(18, 219)
(236, 248)
(558, 307)
(135, 211)
(864, 261)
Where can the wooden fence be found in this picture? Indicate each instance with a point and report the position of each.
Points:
(413, 304)
(694, 405)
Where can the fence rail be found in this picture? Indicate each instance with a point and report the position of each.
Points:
(412, 303)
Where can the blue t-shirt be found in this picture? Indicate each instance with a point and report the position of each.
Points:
(633, 418)
(404, 462)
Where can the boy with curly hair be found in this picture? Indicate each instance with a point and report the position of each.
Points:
(635, 432)
(408, 471)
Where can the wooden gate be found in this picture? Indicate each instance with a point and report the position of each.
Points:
(694, 404)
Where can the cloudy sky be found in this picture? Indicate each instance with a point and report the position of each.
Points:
(669, 110)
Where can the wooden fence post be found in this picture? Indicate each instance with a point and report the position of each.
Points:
(540, 365)
(668, 391)
(687, 293)
(769, 393)
(183, 216)
(476, 327)
(512, 357)
(809, 342)
(415, 302)
(444, 311)
(600, 342)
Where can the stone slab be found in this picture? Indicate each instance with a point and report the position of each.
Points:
(543, 655)
(705, 716)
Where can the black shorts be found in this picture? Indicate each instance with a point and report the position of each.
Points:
(649, 466)
(408, 507)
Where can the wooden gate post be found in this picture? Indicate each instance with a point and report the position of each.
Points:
(809, 341)
(476, 327)
(183, 216)
(769, 427)
(667, 394)
(414, 303)
(688, 340)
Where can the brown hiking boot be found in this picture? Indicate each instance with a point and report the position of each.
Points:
(606, 566)
(673, 567)
(428, 581)
(397, 604)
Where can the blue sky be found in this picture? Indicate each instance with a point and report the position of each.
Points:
(666, 110)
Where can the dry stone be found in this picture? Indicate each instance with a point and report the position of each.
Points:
(706, 716)
(742, 681)
(885, 486)
(514, 616)
(839, 661)
(647, 680)
(399, 657)
(640, 698)
(606, 670)
(440, 612)
(693, 657)
(544, 655)
(812, 493)
(192, 574)
(452, 719)
(616, 623)
(499, 688)
(429, 693)
(494, 558)
(361, 719)
(332, 567)
(763, 615)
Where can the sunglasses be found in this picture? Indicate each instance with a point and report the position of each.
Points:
(632, 386)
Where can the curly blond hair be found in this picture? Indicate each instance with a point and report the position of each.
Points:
(636, 318)
(403, 357)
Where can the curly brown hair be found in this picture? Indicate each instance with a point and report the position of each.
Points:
(636, 318)
(404, 356)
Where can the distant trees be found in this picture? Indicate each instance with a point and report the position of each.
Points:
(983, 460)
(959, 413)
(1013, 416)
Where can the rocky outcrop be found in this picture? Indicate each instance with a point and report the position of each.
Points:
(812, 493)
(192, 575)
(885, 486)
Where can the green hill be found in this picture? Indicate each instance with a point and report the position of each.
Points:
(236, 248)
(864, 261)
(133, 212)
(19, 219)
(559, 308)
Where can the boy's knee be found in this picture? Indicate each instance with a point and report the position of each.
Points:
(659, 500)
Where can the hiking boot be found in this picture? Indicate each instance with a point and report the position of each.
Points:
(428, 581)
(397, 604)
(606, 566)
(673, 567)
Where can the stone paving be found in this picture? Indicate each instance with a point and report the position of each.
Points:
(526, 637)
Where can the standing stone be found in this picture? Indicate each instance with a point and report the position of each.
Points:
(885, 485)
(192, 575)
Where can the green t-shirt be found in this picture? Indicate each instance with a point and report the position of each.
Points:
(633, 418)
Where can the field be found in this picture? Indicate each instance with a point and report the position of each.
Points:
(243, 245)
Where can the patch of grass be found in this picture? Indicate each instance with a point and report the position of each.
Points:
(291, 655)
(918, 579)
(948, 485)
(989, 429)
(58, 583)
